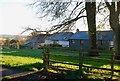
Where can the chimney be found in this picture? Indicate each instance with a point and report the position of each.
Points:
(77, 30)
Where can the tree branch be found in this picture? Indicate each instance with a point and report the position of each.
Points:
(82, 10)
(55, 27)
(75, 7)
(108, 5)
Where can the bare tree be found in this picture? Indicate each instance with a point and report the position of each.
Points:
(114, 19)
(68, 12)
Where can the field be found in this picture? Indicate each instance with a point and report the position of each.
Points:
(26, 58)
(31, 59)
(22, 58)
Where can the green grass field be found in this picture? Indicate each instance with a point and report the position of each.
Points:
(31, 59)
(22, 58)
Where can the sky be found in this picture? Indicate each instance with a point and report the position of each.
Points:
(15, 15)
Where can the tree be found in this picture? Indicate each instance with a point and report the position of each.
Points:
(91, 19)
(5, 43)
(114, 19)
(69, 12)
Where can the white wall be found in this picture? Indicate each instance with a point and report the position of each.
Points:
(111, 45)
(47, 42)
(64, 43)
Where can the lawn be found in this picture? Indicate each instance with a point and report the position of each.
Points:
(31, 59)
(26, 58)
(22, 58)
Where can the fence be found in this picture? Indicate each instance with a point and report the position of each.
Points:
(80, 65)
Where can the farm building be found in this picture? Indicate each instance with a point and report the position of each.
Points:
(104, 40)
(35, 42)
(78, 38)
(68, 39)
(61, 38)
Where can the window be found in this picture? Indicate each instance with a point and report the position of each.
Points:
(81, 41)
(73, 41)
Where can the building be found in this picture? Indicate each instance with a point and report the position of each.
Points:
(105, 39)
(61, 38)
(80, 38)
(36, 41)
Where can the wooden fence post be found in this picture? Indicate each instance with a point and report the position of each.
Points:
(80, 59)
(112, 63)
(46, 59)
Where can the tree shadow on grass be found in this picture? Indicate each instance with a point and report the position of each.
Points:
(33, 67)
(41, 76)
(29, 67)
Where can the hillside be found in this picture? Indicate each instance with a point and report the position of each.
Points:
(12, 36)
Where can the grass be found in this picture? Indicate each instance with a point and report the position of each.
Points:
(7, 77)
(31, 59)
(21, 58)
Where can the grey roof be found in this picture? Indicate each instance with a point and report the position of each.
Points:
(105, 35)
(36, 39)
(80, 35)
(60, 36)
(101, 35)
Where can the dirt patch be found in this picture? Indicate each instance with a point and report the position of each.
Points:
(14, 74)
(8, 71)
(36, 76)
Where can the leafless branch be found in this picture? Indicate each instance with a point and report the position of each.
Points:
(55, 27)
(108, 5)
(77, 4)
(100, 7)
(82, 10)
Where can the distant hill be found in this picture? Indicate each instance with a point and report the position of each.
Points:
(12, 36)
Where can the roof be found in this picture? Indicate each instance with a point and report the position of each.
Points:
(105, 35)
(60, 36)
(101, 35)
(80, 35)
(36, 39)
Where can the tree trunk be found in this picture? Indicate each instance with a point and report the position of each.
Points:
(117, 44)
(91, 19)
(115, 25)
